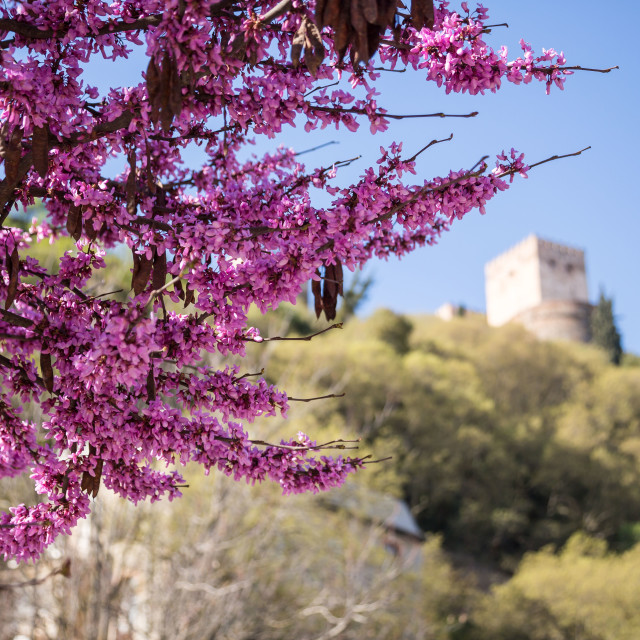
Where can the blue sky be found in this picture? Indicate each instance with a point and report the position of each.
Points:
(586, 202)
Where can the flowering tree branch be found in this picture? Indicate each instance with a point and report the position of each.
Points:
(206, 243)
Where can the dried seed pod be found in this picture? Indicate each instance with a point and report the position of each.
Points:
(40, 150)
(360, 42)
(13, 155)
(239, 48)
(130, 188)
(370, 10)
(90, 231)
(330, 284)
(297, 44)
(13, 269)
(74, 222)
(141, 273)
(343, 32)
(47, 371)
(179, 289)
(422, 14)
(175, 89)
(159, 271)
(153, 89)
(166, 115)
(314, 47)
(151, 387)
(328, 12)
(316, 290)
(189, 297)
(386, 13)
(329, 293)
(90, 484)
(339, 277)
(320, 5)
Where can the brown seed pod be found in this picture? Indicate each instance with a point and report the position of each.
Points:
(141, 272)
(13, 269)
(189, 297)
(179, 289)
(314, 47)
(13, 155)
(159, 271)
(422, 13)
(316, 290)
(40, 150)
(74, 222)
(90, 231)
(47, 371)
(90, 484)
(175, 89)
(130, 188)
(151, 387)
(153, 89)
(339, 277)
(298, 44)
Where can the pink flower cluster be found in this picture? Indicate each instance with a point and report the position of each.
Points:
(455, 55)
(121, 385)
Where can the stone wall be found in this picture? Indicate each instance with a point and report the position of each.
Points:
(542, 285)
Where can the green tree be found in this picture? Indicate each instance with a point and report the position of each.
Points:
(604, 332)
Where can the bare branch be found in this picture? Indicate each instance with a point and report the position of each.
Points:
(331, 395)
(337, 325)
(433, 142)
(566, 155)
(393, 116)
(64, 569)
(320, 146)
(29, 31)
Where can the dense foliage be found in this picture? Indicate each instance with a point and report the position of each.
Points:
(501, 442)
(121, 383)
(538, 445)
(604, 331)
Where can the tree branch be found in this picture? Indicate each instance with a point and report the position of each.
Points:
(29, 31)
(338, 325)
(393, 116)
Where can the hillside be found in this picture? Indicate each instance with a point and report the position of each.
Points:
(518, 458)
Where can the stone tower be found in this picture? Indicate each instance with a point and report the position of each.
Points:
(542, 285)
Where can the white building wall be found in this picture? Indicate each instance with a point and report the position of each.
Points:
(562, 272)
(512, 282)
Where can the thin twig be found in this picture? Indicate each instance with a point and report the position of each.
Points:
(331, 395)
(249, 375)
(338, 325)
(324, 86)
(393, 116)
(433, 142)
(578, 68)
(566, 155)
(365, 461)
(332, 444)
(320, 146)
(100, 295)
(62, 569)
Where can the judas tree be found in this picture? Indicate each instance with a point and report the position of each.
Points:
(121, 385)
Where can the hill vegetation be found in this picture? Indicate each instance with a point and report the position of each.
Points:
(518, 458)
(502, 443)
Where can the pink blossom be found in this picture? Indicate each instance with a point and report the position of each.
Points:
(121, 384)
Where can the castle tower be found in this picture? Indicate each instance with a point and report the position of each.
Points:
(542, 285)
